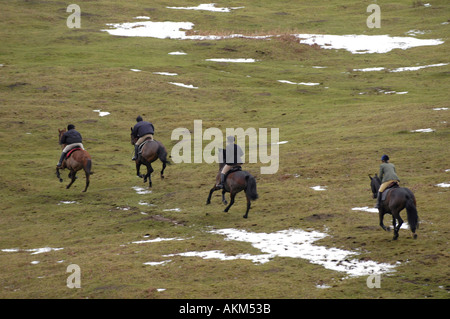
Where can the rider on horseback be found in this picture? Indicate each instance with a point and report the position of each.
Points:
(143, 130)
(233, 153)
(72, 139)
(387, 176)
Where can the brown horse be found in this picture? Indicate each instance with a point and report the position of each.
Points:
(396, 200)
(235, 182)
(151, 151)
(78, 160)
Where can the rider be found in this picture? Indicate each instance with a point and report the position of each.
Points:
(72, 139)
(233, 153)
(387, 176)
(142, 130)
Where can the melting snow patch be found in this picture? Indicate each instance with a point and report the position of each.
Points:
(319, 188)
(423, 130)
(300, 83)
(142, 18)
(443, 185)
(100, 113)
(146, 204)
(10, 250)
(296, 243)
(356, 44)
(206, 7)
(415, 68)
(233, 60)
(217, 254)
(366, 209)
(370, 69)
(141, 191)
(189, 86)
(67, 202)
(165, 73)
(177, 53)
(361, 44)
(172, 210)
(34, 251)
(155, 263)
(440, 109)
(135, 70)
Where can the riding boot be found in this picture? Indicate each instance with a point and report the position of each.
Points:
(63, 156)
(378, 200)
(222, 180)
(136, 151)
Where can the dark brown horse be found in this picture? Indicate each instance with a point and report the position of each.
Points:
(235, 182)
(151, 151)
(396, 200)
(79, 159)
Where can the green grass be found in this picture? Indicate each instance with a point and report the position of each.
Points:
(52, 76)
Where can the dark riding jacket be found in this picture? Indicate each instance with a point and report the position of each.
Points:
(70, 137)
(143, 128)
(233, 153)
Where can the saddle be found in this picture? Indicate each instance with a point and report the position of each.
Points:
(72, 150)
(233, 169)
(141, 146)
(388, 189)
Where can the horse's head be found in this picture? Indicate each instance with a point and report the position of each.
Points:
(133, 139)
(375, 185)
(61, 133)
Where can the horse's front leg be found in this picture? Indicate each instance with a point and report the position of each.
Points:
(381, 215)
(208, 201)
(138, 169)
(58, 175)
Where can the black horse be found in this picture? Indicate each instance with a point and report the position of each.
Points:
(396, 200)
(151, 151)
(236, 181)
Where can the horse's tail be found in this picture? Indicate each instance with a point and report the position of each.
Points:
(413, 217)
(251, 187)
(88, 167)
(162, 155)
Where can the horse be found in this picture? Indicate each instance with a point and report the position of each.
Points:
(78, 160)
(396, 200)
(235, 182)
(151, 151)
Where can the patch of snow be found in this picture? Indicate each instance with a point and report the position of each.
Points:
(189, 86)
(232, 60)
(300, 83)
(206, 7)
(100, 113)
(423, 130)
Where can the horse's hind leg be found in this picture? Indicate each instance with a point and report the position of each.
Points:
(149, 175)
(233, 195)
(396, 216)
(163, 168)
(248, 206)
(73, 176)
(87, 181)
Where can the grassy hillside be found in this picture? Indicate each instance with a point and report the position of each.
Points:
(337, 131)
